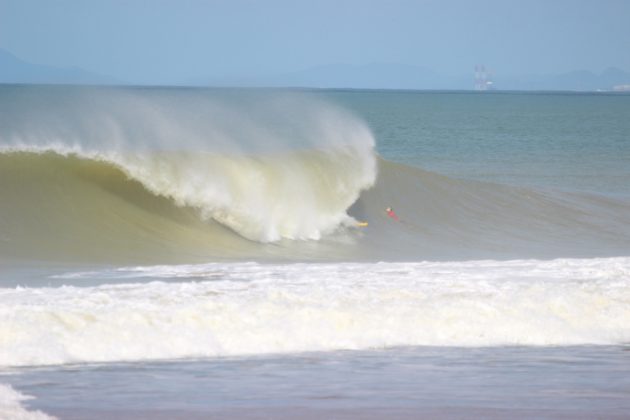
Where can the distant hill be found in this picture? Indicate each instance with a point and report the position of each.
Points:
(15, 70)
(370, 76)
(367, 76)
(580, 80)
(402, 76)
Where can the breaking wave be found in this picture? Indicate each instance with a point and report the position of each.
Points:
(95, 164)
(210, 310)
(264, 198)
(172, 176)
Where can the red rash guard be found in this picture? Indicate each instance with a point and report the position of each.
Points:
(393, 215)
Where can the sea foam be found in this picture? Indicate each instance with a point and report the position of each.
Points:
(212, 310)
(11, 407)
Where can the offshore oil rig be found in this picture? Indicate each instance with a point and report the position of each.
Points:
(483, 78)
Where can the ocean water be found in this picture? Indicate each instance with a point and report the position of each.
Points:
(198, 253)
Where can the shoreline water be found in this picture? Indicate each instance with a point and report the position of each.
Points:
(505, 382)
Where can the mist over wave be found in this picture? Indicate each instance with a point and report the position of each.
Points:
(269, 167)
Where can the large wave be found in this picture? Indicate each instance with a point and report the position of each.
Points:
(163, 175)
(269, 167)
(264, 198)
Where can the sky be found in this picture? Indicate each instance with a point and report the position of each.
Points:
(169, 41)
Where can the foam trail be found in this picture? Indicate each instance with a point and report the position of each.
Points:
(247, 309)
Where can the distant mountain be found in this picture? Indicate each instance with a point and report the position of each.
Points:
(371, 76)
(368, 76)
(580, 80)
(15, 70)
(402, 76)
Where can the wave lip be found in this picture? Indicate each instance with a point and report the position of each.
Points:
(247, 309)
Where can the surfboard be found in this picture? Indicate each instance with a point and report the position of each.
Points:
(362, 224)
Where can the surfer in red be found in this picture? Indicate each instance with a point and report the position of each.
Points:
(390, 213)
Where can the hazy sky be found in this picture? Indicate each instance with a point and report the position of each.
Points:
(175, 40)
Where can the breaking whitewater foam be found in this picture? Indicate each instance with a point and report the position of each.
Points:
(216, 309)
(12, 409)
(270, 168)
(297, 195)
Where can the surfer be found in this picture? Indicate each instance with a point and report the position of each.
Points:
(390, 213)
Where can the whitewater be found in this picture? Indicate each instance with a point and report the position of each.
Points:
(146, 227)
(247, 308)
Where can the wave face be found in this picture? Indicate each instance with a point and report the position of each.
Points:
(247, 308)
(173, 176)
